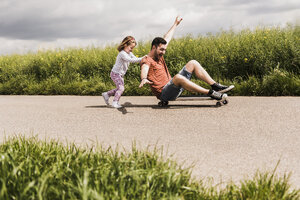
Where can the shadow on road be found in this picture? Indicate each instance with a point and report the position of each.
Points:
(172, 106)
(123, 110)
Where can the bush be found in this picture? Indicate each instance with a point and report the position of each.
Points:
(280, 83)
(239, 58)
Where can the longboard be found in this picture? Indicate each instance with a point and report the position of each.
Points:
(196, 98)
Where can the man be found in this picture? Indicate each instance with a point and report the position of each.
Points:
(155, 72)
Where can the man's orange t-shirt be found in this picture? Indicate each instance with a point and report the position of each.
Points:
(158, 74)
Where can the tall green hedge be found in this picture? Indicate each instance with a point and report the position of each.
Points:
(267, 57)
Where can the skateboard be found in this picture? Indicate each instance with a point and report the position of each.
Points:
(221, 102)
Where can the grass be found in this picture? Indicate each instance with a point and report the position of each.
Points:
(35, 169)
(237, 58)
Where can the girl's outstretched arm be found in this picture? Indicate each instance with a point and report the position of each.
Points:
(132, 59)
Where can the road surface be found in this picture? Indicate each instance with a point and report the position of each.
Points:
(224, 143)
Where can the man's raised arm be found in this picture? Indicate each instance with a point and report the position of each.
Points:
(168, 36)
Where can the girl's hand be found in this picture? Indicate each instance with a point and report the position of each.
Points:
(145, 81)
(143, 59)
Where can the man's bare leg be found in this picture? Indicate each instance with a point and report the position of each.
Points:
(194, 66)
(182, 81)
(185, 83)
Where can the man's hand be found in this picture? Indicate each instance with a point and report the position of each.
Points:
(145, 81)
(178, 20)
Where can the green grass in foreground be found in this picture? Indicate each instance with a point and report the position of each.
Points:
(34, 169)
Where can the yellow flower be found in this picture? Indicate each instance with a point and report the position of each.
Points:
(246, 60)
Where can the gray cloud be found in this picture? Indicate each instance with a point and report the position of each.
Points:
(48, 20)
(60, 23)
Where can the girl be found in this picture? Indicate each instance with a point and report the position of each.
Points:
(124, 58)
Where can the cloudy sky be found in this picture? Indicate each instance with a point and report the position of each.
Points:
(50, 24)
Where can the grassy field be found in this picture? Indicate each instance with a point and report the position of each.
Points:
(264, 61)
(35, 169)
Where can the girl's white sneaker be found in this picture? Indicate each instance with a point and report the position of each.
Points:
(105, 97)
(116, 104)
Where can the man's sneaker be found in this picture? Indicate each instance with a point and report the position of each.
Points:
(105, 97)
(116, 104)
(221, 88)
(217, 95)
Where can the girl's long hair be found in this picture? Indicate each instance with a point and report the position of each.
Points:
(126, 41)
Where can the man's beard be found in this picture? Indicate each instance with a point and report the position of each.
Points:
(158, 56)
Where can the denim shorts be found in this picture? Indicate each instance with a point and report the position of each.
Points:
(170, 91)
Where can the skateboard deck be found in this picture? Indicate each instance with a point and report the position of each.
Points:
(196, 98)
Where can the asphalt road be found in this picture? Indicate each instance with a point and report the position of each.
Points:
(225, 143)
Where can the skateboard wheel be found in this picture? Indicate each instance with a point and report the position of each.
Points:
(163, 103)
(218, 104)
(225, 102)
